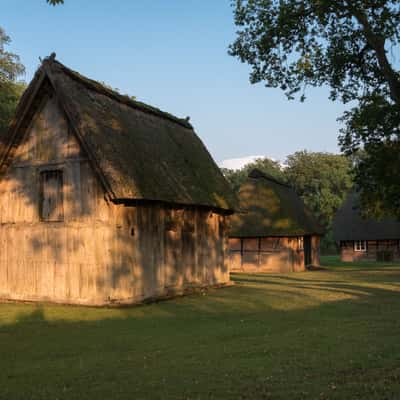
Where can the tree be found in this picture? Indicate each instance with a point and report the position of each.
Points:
(10, 89)
(266, 165)
(376, 125)
(322, 180)
(344, 44)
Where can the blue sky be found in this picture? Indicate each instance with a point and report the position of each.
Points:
(173, 54)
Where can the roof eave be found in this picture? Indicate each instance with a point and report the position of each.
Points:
(137, 201)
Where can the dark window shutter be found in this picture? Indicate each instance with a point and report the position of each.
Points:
(51, 196)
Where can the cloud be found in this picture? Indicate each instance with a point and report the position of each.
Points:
(237, 163)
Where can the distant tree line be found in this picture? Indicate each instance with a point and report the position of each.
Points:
(322, 180)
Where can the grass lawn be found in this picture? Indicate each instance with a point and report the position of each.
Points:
(332, 334)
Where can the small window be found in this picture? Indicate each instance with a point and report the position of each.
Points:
(360, 245)
(300, 243)
(51, 196)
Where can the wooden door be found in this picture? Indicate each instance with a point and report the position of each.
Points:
(307, 250)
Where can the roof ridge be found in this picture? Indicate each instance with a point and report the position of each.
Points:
(256, 173)
(124, 99)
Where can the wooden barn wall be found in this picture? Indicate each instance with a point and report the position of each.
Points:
(374, 249)
(258, 255)
(315, 250)
(101, 252)
(270, 254)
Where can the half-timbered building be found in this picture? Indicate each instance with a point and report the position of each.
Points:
(361, 238)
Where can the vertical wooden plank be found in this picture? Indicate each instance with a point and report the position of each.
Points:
(74, 282)
(58, 260)
(73, 147)
(202, 243)
(225, 251)
(3, 262)
(103, 208)
(72, 191)
(173, 248)
(144, 226)
(4, 190)
(188, 246)
(88, 190)
(51, 195)
(137, 267)
(28, 274)
(31, 190)
(12, 199)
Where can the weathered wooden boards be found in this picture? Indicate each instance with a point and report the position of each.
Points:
(270, 254)
(61, 240)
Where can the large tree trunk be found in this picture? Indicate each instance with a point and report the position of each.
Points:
(377, 42)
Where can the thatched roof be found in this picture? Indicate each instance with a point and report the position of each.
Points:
(269, 207)
(138, 151)
(349, 225)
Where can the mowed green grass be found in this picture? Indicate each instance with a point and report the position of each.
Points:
(332, 334)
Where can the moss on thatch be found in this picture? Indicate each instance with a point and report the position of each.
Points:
(348, 224)
(269, 207)
(124, 99)
(140, 152)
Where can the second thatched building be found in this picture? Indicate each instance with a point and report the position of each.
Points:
(273, 231)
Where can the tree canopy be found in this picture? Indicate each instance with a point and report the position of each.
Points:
(323, 181)
(10, 89)
(345, 44)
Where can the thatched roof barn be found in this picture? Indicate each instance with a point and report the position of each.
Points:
(273, 231)
(104, 199)
(365, 238)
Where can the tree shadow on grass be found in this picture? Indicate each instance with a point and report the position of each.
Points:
(390, 276)
(341, 287)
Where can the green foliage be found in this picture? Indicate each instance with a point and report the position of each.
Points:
(323, 181)
(372, 138)
(292, 44)
(266, 165)
(344, 44)
(10, 93)
(10, 89)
